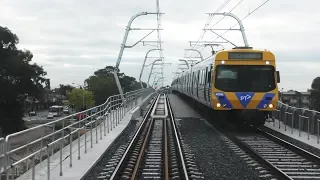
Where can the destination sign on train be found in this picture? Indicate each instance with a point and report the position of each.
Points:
(245, 55)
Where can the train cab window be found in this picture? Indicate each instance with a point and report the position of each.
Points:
(245, 78)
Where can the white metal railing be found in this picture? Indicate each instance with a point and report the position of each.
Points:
(15, 161)
(298, 118)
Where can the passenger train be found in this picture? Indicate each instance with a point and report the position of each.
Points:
(239, 84)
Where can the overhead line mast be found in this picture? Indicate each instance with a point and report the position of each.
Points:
(159, 39)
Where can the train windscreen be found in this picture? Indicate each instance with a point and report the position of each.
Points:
(245, 78)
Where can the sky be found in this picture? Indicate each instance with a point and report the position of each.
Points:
(73, 38)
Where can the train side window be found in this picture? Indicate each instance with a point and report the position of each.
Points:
(202, 78)
(209, 75)
(204, 72)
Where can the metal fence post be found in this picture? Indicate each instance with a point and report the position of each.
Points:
(292, 121)
(91, 133)
(79, 128)
(299, 125)
(285, 121)
(100, 120)
(96, 124)
(70, 145)
(85, 139)
(308, 128)
(33, 167)
(61, 147)
(48, 162)
(318, 121)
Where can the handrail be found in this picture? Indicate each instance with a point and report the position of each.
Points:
(103, 115)
(296, 108)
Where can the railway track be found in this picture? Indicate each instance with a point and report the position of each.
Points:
(154, 152)
(281, 158)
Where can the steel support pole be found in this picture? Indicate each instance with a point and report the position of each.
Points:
(185, 62)
(122, 49)
(197, 52)
(240, 24)
(151, 71)
(144, 62)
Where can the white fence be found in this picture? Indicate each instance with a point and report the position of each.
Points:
(43, 141)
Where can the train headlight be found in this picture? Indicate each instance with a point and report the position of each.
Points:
(270, 105)
(267, 62)
(222, 62)
(218, 105)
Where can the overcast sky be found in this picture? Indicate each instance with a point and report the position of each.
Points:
(73, 38)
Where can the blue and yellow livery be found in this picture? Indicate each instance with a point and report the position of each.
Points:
(241, 81)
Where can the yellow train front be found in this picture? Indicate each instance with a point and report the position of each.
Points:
(244, 85)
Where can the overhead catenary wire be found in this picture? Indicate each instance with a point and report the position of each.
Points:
(222, 19)
(250, 13)
(223, 5)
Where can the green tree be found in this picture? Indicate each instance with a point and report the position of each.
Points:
(78, 96)
(103, 85)
(315, 94)
(19, 79)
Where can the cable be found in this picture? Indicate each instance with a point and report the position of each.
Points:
(229, 12)
(244, 18)
(222, 19)
(223, 5)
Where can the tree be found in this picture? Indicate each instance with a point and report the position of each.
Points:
(65, 88)
(18, 79)
(76, 97)
(315, 94)
(103, 85)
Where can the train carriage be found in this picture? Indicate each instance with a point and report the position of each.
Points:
(241, 83)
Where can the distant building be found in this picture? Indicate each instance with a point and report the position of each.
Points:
(305, 100)
(296, 99)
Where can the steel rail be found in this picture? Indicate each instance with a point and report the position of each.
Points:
(133, 139)
(257, 156)
(166, 161)
(136, 167)
(296, 149)
(185, 172)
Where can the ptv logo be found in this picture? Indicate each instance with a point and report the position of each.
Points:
(245, 98)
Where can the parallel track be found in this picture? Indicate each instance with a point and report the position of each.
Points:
(155, 142)
(281, 158)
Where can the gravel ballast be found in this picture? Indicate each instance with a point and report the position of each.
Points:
(291, 140)
(213, 156)
(123, 138)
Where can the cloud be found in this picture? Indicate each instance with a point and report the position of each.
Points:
(72, 39)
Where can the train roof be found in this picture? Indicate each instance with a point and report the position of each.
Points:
(209, 60)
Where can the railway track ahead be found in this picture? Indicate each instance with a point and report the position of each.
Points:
(154, 152)
(281, 158)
